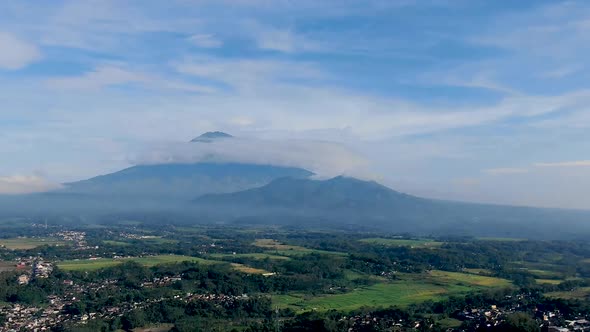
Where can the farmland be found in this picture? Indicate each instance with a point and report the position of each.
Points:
(90, 265)
(419, 243)
(28, 242)
(279, 249)
(409, 289)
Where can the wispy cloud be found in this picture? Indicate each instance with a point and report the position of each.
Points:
(105, 76)
(502, 171)
(25, 184)
(205, 40)
(577, 163)
(16, 53)
(324, 158)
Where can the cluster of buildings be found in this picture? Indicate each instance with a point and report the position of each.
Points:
(77, 237)
(551, 321)
(160, 282)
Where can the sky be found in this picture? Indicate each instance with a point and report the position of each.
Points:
(473, 100)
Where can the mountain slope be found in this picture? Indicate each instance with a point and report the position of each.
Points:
(345, 201)
(182, 181)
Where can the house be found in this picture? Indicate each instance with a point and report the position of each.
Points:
(23, 279)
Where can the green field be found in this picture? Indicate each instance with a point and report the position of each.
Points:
(503, 239)
(158, 240)
(248, 269)
(549, 281)
(259, 256)
(468, 279)
(581, 293)
(28, 242)
(418, 243)
(279, 249)
(410, 289)
(116, 243)
(484, 272)
(90, 265)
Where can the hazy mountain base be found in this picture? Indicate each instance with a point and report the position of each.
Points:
(342, 202)
(339, 203)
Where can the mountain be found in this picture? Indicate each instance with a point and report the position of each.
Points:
(210, 136)
(182, 181)
(179, 182)
(347, 202)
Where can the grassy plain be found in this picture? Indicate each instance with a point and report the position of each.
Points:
(90, 265)
(409, 289)
(578, 294)
(279, 249)
(549, 281)
(28, 242)
(260, 256)
(418, 243)
(248, 269)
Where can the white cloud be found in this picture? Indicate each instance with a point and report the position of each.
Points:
(282, 40)
(248, 74)
(323, 158)
(501, 171)
(105, 76)
(16, 53)
(561, 72)
(577, 163)
(25, 184)
(97, 78)
(205, 41)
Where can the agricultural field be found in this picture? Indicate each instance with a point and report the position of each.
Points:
(279, 249)
(91, 265)
(468, 279)
(28, 242)
(116, 243)
(484, 272)
(260, 256)
(581, 293)
(548, 281)
(248, 269)
(502, 239)
(419, 243)
(409, 289)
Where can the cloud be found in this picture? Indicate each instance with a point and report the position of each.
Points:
(15, 53)
(326, 159)
(25, 184)
(281, 40)
(205, 41)
(106, 75)
(578, 163)
(501, 171)
(243, 72)
(562, 72)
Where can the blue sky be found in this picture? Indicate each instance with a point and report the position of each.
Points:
(470, 100)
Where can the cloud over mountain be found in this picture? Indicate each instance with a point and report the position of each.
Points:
(321, 157)
(25, 184)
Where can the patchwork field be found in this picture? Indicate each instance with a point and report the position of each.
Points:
(419, 243)
(116, 243)
(90, 265)
(279, 249)
(581, 293)
(549, 281)
(260, 256)
(28, 243)
(410, 289)
(248, 269)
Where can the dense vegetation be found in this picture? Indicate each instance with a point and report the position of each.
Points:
(225, 278)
